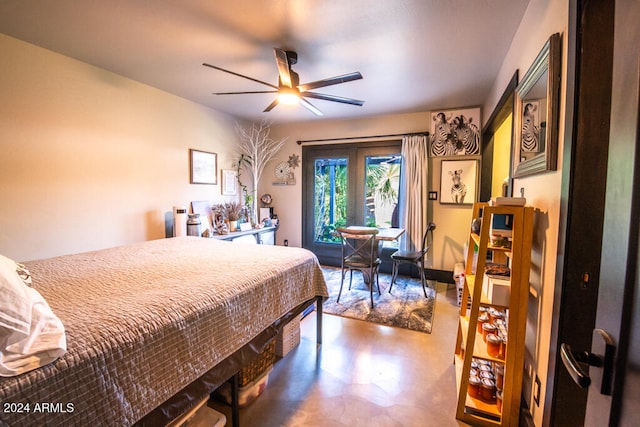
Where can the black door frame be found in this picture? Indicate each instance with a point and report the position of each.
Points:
(501, 112)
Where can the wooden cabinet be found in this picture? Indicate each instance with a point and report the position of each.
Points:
(261, 236)
(497, 349)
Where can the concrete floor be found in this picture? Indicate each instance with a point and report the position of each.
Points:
(363, 375)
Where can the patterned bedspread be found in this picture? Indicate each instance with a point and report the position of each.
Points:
(145, 320)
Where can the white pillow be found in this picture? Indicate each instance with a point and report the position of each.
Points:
(45, 342)
(15, 299)
(31, 336)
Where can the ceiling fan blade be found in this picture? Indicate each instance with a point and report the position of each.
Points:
(333, 98)
(270, 106)
(240, 75)
(330, 81)
(283, 67)
(243, 93)
(306, 104)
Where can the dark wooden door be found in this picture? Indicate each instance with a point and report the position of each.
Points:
(583, 195)
(618, 301)
(598, 322)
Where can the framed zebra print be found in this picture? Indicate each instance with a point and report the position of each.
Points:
(458, 181)
(455, 132)
(535, 117)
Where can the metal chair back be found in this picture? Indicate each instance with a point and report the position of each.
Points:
(359, 246)
(360, 252)
(427, 238)
(415, 258)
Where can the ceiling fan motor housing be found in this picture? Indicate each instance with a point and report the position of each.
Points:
(292, 57)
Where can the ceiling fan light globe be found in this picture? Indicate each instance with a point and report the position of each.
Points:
(288, 98)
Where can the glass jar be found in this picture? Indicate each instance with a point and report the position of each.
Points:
(487, 329)
(487, 375)
(474, 387)
(503, 347)
(485, 367)
(482, 319)
(496, 314)
(499, 370)
(488, 391)
(494, 345)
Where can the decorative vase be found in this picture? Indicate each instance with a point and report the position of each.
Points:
(193, 225)
(233, 225)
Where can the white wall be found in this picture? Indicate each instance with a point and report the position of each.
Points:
(542, 18)
(91, 159)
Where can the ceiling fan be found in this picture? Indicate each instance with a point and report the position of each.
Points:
(289, 89)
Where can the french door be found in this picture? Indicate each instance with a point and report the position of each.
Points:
(347, 184)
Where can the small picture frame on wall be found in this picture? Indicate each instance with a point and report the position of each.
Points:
(203, 167)
(458, 182)
(229, 182)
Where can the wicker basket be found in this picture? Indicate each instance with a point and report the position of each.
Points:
(259, 365)
(289, 337)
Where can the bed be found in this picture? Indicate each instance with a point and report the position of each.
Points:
(145, 321)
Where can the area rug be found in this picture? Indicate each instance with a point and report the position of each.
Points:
(406, 307)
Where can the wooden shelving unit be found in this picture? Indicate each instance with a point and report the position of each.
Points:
(471, 353)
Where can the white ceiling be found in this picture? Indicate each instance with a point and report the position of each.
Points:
(414, 55)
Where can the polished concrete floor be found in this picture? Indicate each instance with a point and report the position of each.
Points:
(363, 375)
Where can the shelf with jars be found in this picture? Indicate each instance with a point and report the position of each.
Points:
(489, 353)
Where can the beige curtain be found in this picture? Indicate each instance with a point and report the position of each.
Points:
(414, 190)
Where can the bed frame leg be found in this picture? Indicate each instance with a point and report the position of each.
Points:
(235, 407)
(319, 320)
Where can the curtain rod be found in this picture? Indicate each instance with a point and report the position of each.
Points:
(350, 138)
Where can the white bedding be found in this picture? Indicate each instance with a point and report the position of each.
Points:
(144, 321)
(31, 335)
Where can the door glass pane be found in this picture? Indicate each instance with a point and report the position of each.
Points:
(330, 198)
(382, 184)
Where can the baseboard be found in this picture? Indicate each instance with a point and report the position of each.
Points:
(442, 276)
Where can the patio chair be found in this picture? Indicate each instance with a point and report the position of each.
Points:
(414, 257)
(360, 252)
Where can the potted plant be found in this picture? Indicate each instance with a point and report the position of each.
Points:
(232, 212)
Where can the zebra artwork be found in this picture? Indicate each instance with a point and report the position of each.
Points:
(442, 140)
(530, 131)
(455, 133)
(467, 135)
(458, 189)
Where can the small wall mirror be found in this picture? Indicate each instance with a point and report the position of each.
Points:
(536, 113)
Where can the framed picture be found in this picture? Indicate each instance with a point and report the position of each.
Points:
(535, 114)
(203, 167)
(458, 181)
(229, 182)
(455, 132)
(530, 136)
